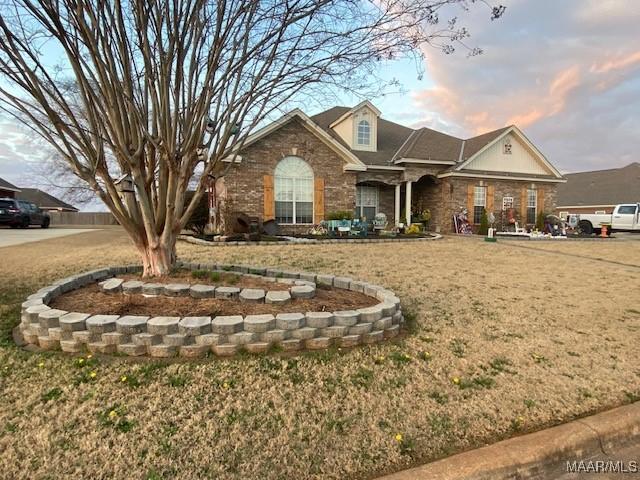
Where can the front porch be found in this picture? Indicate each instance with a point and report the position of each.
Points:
(401, 201)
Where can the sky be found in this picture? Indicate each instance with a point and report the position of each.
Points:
(567, 72)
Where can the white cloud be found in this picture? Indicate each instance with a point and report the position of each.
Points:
(567, 72)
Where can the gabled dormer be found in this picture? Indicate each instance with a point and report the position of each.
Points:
(358, 127)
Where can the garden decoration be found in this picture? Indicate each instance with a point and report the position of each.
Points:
(461, 223)
(285, 311)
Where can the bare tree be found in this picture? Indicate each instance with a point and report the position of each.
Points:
(151, 89)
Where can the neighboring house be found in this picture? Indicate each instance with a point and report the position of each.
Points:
(599, 191)
(298, 169)
(7, 189)
(44, 200)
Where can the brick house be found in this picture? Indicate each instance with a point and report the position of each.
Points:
(298, 169)
(7, 190)
(599, 191)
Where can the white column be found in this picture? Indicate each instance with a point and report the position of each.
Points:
(397, 210)
(407, 202)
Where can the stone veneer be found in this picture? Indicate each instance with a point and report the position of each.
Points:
(165, 336)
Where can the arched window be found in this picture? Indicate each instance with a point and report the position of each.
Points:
(293, 191)
(364, 133)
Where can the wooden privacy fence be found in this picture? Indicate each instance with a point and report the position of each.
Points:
(82, 218)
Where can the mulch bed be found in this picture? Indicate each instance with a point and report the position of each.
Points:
(229, 279)
(91, 300)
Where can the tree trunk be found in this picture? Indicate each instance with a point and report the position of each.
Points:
(158, 260)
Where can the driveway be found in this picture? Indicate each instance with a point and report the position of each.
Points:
(10, 236)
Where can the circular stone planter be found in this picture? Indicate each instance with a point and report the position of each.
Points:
(165, 336)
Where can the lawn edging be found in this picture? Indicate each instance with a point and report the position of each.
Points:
(49, 327)
(537, 454)
(310, 241)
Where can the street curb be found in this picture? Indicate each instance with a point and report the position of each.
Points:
(536, 454)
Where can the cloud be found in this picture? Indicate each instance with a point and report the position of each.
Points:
(568, 72)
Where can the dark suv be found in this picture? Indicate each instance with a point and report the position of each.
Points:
(19, 213)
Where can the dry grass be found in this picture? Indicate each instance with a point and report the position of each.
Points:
(530, 338)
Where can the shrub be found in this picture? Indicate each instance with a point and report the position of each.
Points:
(540, 221)
(200, 217)
(340, 215)
(484, 223)
(413, 229)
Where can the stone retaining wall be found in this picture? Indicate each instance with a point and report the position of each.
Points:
(308, 241)
(164, 336)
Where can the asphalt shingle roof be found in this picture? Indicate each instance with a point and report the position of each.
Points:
(391, 136)
(601, 187)
(8, 186)
(43, 199)
(398, 141)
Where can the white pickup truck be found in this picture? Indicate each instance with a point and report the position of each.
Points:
(625, 218)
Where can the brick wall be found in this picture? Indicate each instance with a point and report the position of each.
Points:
(608, 209)
(454, 197)
(245, 182)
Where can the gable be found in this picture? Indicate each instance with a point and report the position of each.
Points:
(346, 126)
(351, 162)
(521, 160)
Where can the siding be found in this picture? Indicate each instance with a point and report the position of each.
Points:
(521, 159)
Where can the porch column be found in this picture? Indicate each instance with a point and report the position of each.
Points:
(397, 210)
(407, 202)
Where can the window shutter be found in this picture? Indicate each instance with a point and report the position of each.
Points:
(318, 200)
(470, 191)
(523, 205)
(269, 203)
(540, 195)
(490, 194)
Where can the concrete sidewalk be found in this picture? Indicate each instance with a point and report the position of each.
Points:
(10, 237)
(543, 455)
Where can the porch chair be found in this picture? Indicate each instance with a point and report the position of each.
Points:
(344, 226)
(380, 222)
(520, 229)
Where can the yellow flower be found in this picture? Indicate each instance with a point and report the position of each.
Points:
(398, 437)
(113, 414)
(123, 378)
(81, 361)
(225, 385)
(41, 364)
(93, 374)
(89, 356)
(456, 380)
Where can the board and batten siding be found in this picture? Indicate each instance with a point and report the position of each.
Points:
(521, 159)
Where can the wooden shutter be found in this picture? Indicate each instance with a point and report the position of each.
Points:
(540, 196)
(318, 200)
(490, 194)
(269, 202)
(470, 191)
(523, 205)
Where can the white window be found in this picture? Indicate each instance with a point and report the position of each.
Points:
(507, 203)
(293, 184)
(366, 202)
(479, 203)
(563, 215)
(364, 133)
(532, 202)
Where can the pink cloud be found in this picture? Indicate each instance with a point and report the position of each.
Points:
(619, 63)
